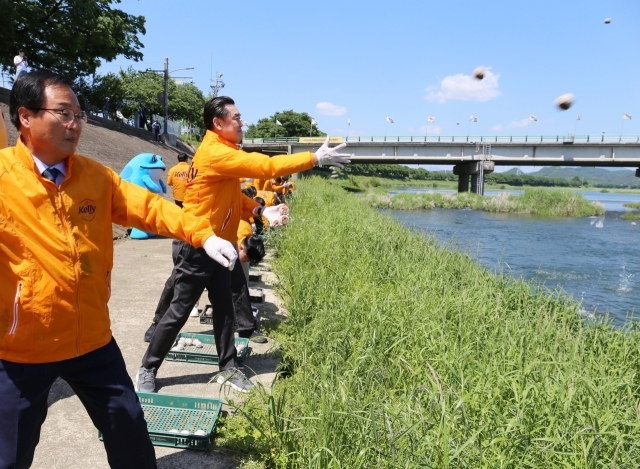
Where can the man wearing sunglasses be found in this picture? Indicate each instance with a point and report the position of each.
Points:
(56, 256)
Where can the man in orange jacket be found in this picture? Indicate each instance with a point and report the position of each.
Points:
(213, 192)
(177, 178)
(56, 256)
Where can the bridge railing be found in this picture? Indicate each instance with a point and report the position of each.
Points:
(565, 139)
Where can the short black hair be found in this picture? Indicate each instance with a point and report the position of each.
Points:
(182, 157)
(250, 192)
(28, 91)
(260, 200)
(216, 107)
(253, 248)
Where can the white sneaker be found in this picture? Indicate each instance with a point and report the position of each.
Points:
(194, 312)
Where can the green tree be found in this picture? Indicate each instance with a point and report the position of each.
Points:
(186, 102)
(294, 124)
(93, 91)
(132, 89)
(71, 37)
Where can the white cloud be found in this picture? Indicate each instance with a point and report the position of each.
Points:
(520, 123)
(497, 128)
(431, 129)
(465, 88)
(329, 109)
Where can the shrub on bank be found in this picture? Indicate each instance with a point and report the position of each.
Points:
(400, 353)
(543, 202)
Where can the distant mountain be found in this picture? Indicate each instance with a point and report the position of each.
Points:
(594, 176)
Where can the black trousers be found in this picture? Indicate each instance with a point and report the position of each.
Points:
(194, 271)
(100, 380)
(245, 323)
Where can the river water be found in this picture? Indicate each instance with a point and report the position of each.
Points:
(595, 260)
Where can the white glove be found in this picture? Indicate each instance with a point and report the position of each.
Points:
(221, 251)
(274, 213)
(326, 156)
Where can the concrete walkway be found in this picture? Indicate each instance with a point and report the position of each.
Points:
(69, 440)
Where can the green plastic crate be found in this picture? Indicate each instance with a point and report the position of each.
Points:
(207, 355)
(166, 412)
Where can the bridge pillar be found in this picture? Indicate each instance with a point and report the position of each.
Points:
(463, 182)
(472, 168)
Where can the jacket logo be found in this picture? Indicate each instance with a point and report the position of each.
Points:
(193, 172)
(87, 209)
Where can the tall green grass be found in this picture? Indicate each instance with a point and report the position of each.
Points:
(402, 354)
(535, 201)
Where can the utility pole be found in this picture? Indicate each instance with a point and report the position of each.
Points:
(166, 96)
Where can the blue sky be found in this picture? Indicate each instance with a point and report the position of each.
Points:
(408, 60)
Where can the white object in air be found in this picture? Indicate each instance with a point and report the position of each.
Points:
(478, 73)
(389, 120)
(565, 101)
(607, 20)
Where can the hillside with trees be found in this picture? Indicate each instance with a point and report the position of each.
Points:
(71, 37)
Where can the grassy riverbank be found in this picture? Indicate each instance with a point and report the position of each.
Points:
(535, 201)
(399, 353)
(634, 215)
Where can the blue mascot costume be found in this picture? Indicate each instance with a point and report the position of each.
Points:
(145, 170)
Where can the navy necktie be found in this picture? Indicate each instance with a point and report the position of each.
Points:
(51, 174)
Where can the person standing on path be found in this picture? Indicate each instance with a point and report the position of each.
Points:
(105, 108)
(156, 129)
(56, 257)
(21, 63)
(213, 191)
(177, 178)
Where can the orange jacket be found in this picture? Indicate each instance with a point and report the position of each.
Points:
(268, 197)
(244, 231)
(56, 252)
(213, 190)
(4, 140)
(177, 178)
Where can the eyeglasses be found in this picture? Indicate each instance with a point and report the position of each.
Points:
(66, 116)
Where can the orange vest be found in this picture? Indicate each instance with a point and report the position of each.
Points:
(177, 178)
(56, 252)
(213, 189)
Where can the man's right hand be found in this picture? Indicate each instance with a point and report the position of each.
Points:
(326, 156)
(221, 251)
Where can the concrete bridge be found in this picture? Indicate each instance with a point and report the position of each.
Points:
(472, 157)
